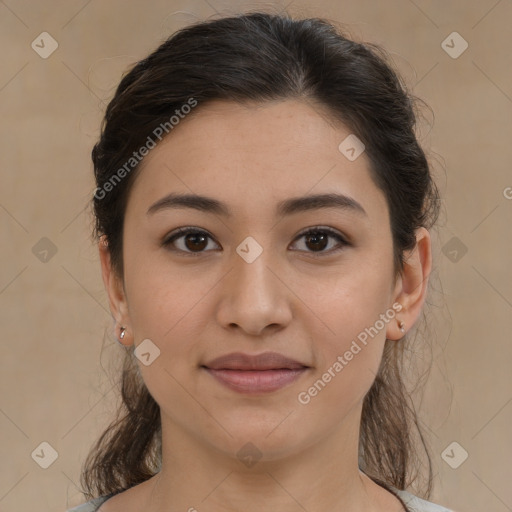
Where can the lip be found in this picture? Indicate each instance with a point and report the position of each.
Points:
(253, 374)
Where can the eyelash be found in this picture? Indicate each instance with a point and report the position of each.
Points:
(180, 232)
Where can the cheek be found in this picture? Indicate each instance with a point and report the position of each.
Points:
(353, 303)
(171, 308)
(354, 313)
(347, 362)
(161, 298)
(168, 309)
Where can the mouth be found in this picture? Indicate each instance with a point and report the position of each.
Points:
(262, 373)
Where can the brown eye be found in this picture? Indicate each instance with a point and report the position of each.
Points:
(317, 239)
(194, 240)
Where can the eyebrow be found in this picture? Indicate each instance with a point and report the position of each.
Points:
(286, 207)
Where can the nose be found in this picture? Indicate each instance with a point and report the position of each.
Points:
(254, 296)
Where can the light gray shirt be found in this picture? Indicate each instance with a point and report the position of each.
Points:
(413, 503)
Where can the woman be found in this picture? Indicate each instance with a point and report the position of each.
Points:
(263, 211)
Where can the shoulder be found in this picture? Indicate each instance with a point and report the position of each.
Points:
(416, 504)
(91, 506)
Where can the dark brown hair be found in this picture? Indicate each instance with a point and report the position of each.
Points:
(262, 57)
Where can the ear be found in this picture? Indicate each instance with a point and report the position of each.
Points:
(411, 286)
(115, 290)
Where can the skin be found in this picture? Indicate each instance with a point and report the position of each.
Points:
(293, 299)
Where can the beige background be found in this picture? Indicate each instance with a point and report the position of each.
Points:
(54, 315)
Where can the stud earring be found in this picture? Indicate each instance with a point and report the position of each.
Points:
(401, 325)
(123, 332)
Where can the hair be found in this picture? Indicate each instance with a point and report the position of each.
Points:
(261, 57)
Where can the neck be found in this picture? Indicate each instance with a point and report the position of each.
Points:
(323, 476)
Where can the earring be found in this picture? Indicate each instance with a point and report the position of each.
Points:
(123, 332)
(401, 325)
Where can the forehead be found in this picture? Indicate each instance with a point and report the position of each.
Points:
(265, 152)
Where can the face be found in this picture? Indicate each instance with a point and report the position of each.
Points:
(248, 278)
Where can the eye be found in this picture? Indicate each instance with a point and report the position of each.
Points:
(317, 238)
(194, 240)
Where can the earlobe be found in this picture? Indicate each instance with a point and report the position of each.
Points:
(412, 285)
